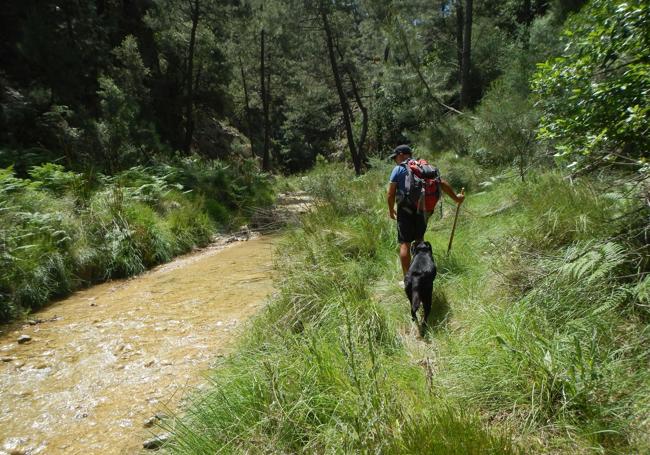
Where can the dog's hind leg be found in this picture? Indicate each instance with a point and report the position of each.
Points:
(415, 305)
(427, 297)
(408, 288)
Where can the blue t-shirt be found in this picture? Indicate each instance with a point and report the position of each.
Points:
(399, 176)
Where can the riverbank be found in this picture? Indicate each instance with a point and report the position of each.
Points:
(62, 231)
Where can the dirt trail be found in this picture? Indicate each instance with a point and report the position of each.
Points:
(103, 361)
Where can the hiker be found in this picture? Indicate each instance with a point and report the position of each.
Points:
(411, 223)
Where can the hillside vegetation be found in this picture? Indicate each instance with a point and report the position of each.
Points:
(130, 130)
(538, 342)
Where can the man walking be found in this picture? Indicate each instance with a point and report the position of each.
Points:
(411, 223)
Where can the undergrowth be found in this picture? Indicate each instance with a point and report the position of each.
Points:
(538, 343)
(61, 230)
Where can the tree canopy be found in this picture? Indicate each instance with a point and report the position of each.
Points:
(111, 84)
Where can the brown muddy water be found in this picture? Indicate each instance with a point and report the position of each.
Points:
(104, 361)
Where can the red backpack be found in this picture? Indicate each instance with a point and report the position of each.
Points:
(422, 185)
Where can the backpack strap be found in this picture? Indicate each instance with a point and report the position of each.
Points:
(404, 201)
(409, 171)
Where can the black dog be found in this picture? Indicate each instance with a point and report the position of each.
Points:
(418, 282)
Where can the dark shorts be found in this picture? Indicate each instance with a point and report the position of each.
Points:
(411, 225)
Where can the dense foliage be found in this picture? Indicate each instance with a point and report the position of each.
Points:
(595, 96)
(62, 230)
(110, 85)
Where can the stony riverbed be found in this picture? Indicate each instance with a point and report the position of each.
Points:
(94, 373)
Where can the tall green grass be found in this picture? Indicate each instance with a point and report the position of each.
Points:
(539, 341)
(547, 333)
(61, 230)
(324, 369)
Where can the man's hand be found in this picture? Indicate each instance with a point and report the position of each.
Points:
(458, 198)
(392, 214)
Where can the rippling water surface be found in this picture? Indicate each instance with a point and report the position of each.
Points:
(102, 362)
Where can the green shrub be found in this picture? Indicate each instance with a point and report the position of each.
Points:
(216, 210)
(451, 134)
(151, 235)
(190, 226)
(505, 128)
(237, 185)
(460, 172)
(593, 94)
(55, 178)
(121, 249)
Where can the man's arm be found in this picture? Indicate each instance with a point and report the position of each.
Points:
(458, 198)
(392, 189)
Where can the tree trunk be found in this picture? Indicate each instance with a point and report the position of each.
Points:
(364, 111)
(459, 37)
(189, 106)
(267, 118)
(266, 161)
(339, 88)
(466, 60)
(247, 106)
(364, 124)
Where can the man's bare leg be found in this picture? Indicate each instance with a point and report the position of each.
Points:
(405, 256)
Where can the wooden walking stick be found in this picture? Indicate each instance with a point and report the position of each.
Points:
(453, 229)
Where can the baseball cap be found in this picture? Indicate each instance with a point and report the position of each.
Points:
(399, 149)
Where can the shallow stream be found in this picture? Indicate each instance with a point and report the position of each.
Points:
(104, 361)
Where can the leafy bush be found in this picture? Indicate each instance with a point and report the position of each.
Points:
(505, 129)
(451, 134)
(460, 172)
(55, 178)
(191, 226)
(594, 96)
(154, 239)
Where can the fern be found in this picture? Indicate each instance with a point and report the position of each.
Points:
(592, 262)
(641, 291)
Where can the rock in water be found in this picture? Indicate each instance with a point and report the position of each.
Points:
(157, 442)
(151, 420)
(24, 339)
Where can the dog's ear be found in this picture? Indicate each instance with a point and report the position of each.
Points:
(428, 245)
